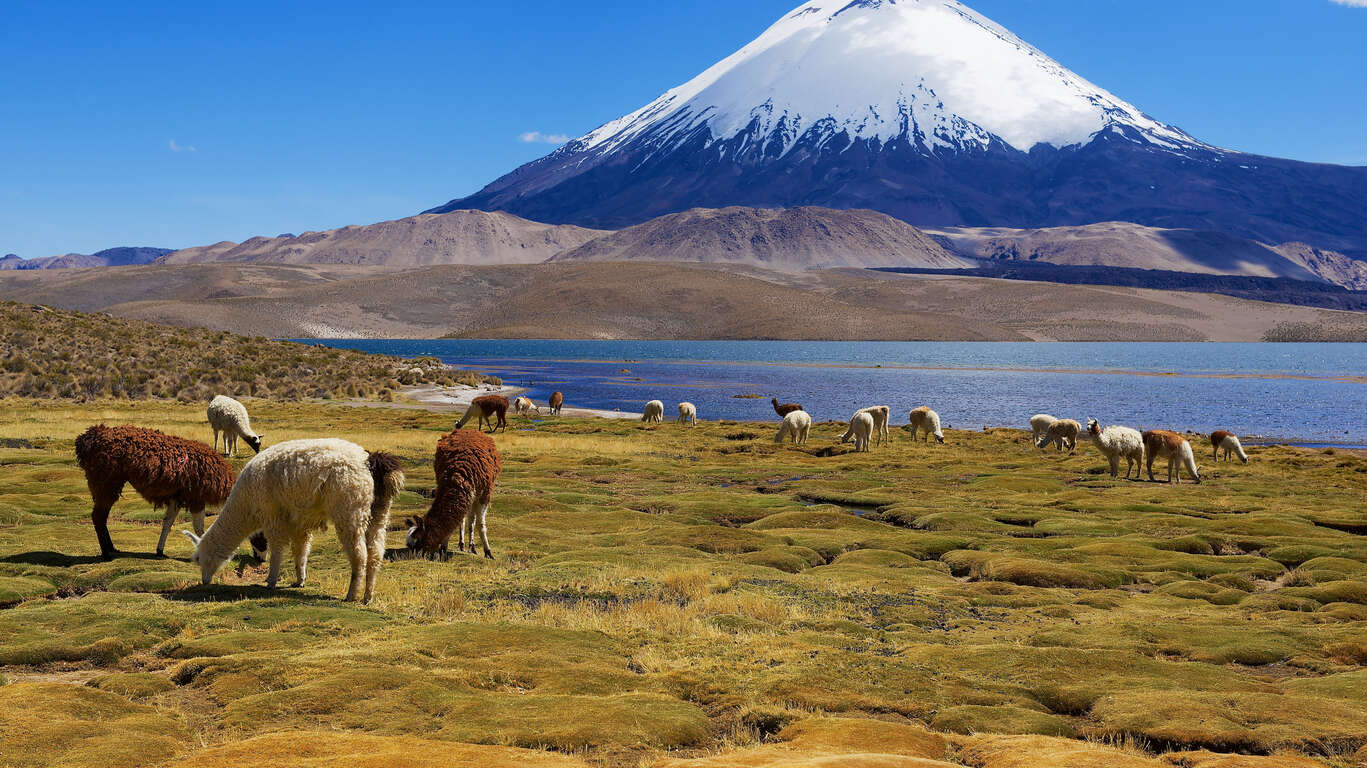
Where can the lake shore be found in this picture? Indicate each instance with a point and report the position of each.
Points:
(441, 399)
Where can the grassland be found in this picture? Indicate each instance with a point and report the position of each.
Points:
(700, 598)
(54, 353)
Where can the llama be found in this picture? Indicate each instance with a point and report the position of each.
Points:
(295, 487)
(1118, 442)
(688, 414)
(881, 416)
(925, 419)
(1160, 443)
(795, 427)
(485, 407)
(784, 410)
(1064, 432)
(167, 471)
(1039, 424)
(467, 466)
(228, 416)
(556, 402)
(1230, 443)
(523, 406)
(861, 429)
(654, 412)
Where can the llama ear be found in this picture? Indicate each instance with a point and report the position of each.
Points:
(191, 537)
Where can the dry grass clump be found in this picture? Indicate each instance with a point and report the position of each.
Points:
(61, 354)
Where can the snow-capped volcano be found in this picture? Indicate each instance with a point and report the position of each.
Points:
(933, 72)
(929, 112)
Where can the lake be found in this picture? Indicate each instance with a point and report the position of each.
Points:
(1304, 393)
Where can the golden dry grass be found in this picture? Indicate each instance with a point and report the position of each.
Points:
(665, 596)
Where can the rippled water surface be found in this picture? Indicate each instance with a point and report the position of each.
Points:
(1313, 393)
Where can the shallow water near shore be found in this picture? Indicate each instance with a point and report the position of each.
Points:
(1298, 393)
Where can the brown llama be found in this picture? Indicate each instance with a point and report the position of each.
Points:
(167, 471)
(484, 407)
(1159, 443)
(556, 402)
(784, 410)
(467, 465)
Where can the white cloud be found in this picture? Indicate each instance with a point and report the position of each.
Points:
(181, 147)
(537, 137)
(1354, 3)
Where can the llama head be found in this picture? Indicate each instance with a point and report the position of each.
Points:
(1196, 475)
(940, 438)
(208, 564)
(414, 532)
(255, 443)
(1093, 428)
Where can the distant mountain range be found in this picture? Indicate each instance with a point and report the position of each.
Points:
(931, 113)
(793, 238)
(110, 257)
(461, 237)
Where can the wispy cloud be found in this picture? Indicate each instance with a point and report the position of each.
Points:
(537, 137)
(181, 147)
(1354, 3)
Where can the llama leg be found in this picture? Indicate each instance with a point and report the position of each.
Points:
(299, 547)
(104, 495)
(354, 547)
(374, 538)
(484, 531)
(1115, 466)
(197, 518)
(277, 560)
(467, 531)
(167, 520)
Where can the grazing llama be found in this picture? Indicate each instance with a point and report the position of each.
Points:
(784, 410)
(1118, 442)
(796, 425)
(1039, 424)
(556, 402)
(1229, 443)
(523, 406)
(861, 429)
(467, 465)
(924, 419)
(294, 488)
(688, 414)
(228, 416)
(486, 407)
(1160, 443)
(167, 471)
(1064, 432)
(881, 416)
(654, 412)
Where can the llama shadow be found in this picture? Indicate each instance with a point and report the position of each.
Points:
(223, 593)
(62, 560)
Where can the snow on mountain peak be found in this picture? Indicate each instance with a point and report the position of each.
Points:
(932, 71)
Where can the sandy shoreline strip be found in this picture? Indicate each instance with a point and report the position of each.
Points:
(458, 398)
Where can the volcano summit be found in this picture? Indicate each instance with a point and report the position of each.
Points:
(930, 112)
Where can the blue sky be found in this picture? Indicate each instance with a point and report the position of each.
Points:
(178, 124)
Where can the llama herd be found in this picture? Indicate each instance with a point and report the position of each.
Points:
(289, 490)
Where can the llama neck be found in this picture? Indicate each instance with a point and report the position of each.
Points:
(228, 530)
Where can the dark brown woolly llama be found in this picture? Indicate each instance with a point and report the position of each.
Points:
(556, 402)
(784, 410)
(485, 407)
(467, 466)
(167, 471)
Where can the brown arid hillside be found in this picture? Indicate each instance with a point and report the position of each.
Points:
(1122, 244)
(782, 239)
(459, 237)
(1329, 265)
(660, 301)
(56, 353)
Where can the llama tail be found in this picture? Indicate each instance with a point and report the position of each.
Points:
(388, 475)
(1189, 461)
